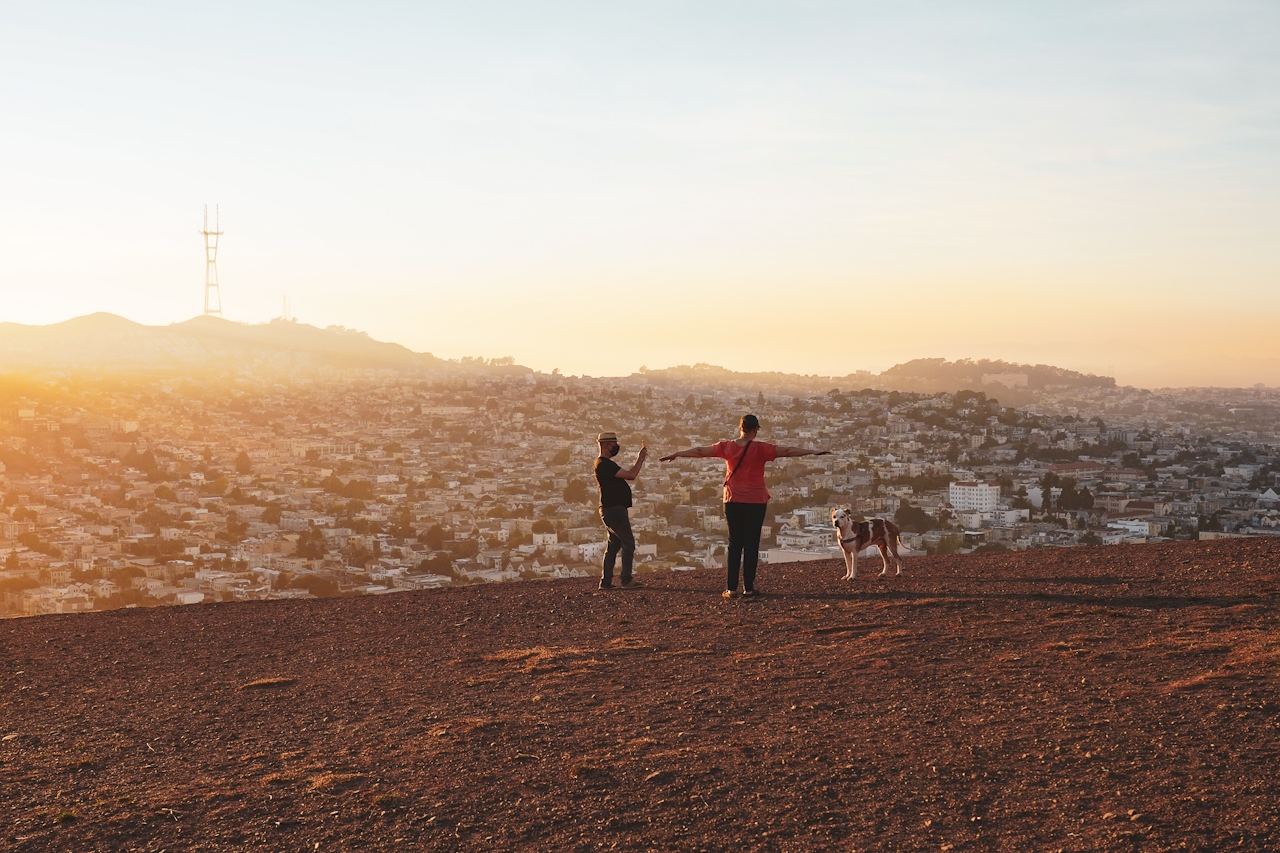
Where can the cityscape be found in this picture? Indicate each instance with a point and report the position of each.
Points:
(450, 427)
(314, 480)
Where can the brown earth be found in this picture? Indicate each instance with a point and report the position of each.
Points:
(1085, 700)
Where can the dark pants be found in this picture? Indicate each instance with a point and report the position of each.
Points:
(745, 521)
(618, 521)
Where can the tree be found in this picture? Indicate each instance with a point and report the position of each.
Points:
(311, 544)
(144, 462)
(11, 563)
(244, 465)
(435, 537)
(316, 585)
(1048, 482)
(913, 518)
(464, 548)
(561, 458)
(576, 492)
(272, 514)
(437, 564)
(153, 518)
(402, 523)
(948, 545)
(542, 525)
(18, 583)
(236, 529)
(1071, 498)
(32, 541)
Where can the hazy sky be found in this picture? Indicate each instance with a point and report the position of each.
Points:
(809, 186)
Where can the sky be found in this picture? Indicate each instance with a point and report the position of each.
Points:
(812, 187)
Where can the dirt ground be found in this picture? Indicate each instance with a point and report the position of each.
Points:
(1091, 699)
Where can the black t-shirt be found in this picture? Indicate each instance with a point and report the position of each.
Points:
(614, 491)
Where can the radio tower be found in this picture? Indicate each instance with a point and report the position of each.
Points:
(212, 295)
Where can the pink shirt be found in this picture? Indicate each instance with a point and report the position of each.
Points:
(747, 483)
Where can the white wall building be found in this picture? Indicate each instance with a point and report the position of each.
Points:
(973, 496)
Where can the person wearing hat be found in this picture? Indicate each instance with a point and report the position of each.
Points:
(615, 506)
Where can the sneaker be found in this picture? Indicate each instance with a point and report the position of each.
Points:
(729, 593)
(749, 593)
(632, 584)
(604, 585)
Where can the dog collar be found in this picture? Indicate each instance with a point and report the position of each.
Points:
(850, 539)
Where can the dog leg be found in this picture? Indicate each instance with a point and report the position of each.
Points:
(884, 559)
(852, 557)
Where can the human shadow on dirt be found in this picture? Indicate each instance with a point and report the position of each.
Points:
(943, 596)
(1144, 602)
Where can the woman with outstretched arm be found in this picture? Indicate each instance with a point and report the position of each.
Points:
(745, 495)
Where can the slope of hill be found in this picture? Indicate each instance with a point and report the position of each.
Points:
(105, 341)
(933, 375)
(1088, 699)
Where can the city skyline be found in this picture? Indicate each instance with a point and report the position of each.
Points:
(811, 188)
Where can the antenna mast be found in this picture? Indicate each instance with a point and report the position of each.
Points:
(212, 295)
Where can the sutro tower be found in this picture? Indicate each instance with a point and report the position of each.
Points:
(212, 295)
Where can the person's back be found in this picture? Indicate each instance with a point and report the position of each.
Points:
(746, 499)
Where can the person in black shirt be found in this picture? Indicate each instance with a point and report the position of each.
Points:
(615, 503)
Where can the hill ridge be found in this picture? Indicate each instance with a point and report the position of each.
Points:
(103, 341)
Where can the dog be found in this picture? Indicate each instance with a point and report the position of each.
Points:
(856, 535)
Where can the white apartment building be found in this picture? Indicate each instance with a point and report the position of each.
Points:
(973, 496)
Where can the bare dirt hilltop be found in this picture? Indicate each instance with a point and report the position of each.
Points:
(1088, 700)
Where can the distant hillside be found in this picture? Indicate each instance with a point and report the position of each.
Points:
(934, 375)
(106, 341)
(723, 377)
(1001, 379)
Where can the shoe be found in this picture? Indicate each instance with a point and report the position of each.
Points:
(749, 593)
(632, 584)
(729, 593)
(604, 585)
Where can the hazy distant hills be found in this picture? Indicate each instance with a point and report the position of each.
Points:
(933, 375)
(1011, 383)
(107, 342)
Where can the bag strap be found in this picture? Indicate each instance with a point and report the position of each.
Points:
(735, 468)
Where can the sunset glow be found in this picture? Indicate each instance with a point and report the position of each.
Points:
(815, 188)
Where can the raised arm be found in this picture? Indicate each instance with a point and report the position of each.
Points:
(800, 451)
(634, 471)
(691, 453)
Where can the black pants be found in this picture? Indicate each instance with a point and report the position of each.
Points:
(617, 520)
(745, 521)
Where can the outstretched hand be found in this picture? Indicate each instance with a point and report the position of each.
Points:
(666, 458)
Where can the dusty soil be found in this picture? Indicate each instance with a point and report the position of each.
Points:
(1083, 700)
